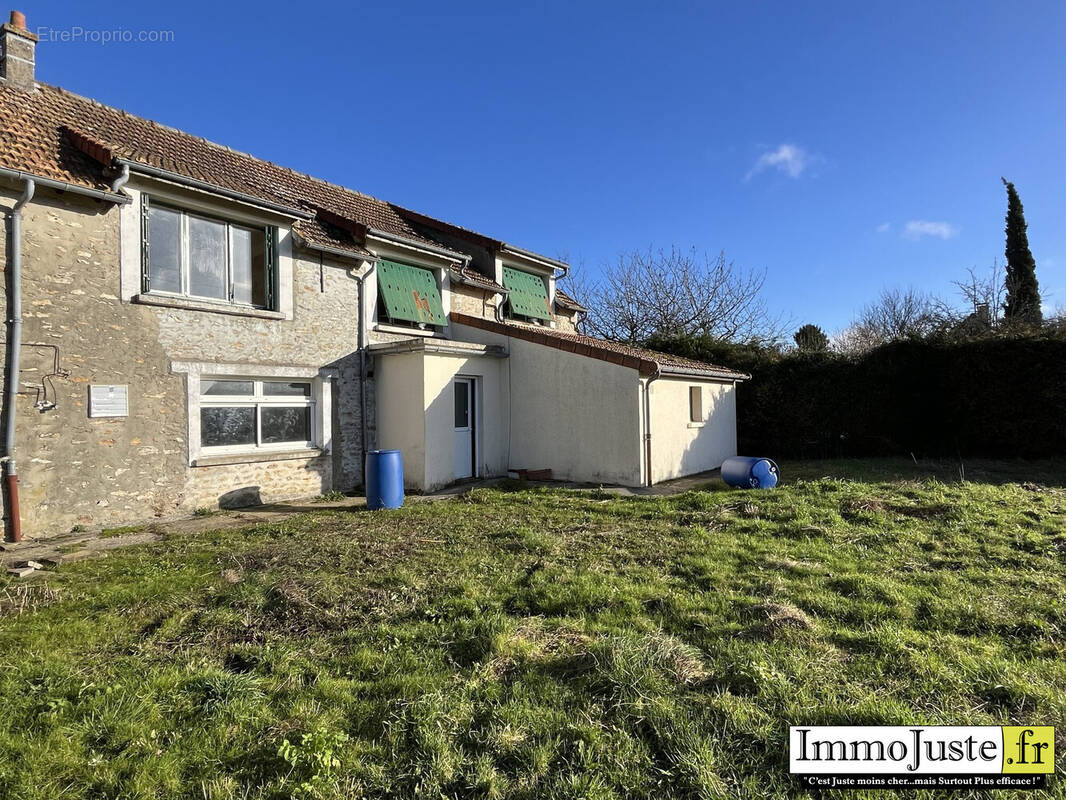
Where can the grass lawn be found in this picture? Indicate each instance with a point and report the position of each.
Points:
(541, 644)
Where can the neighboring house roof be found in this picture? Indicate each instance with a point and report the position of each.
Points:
(52, 133)
(647, 362)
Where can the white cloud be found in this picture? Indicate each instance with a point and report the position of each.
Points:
(788, 158)
(884, 227)
(919, 228)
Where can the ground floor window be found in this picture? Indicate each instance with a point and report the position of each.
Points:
(239, 414)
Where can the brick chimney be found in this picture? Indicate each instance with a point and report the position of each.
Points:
(17, 52)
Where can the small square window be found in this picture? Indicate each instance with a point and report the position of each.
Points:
(695, 403)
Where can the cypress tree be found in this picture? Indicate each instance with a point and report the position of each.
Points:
(811, 339)
(1023, 291)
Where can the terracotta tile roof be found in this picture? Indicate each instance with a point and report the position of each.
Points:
(647, 362)
(566, 301)
(55, 134)
(475, 278)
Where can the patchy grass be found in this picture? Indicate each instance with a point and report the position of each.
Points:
(531, 643)
(125, 530)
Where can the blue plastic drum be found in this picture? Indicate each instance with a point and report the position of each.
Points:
(384, 479)
(745, 472)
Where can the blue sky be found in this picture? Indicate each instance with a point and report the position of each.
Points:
(842, 147)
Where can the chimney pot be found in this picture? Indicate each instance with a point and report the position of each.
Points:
(18, 20)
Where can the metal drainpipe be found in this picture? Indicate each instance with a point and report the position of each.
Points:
(361, 279)
(14, 345)
(122, 179)
(647, 422)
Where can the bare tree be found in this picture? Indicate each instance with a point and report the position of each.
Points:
(676, 292)
(983, 296)
(896, 314)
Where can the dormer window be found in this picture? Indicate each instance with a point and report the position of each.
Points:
(201, 257)
(527, 295)
(409, 296)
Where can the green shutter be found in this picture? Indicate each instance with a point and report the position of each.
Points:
(272, 269)
(527, 294)
(410, 293)
(146, 274)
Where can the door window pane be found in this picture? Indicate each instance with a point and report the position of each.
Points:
(227, 427)
(285, 424)
(284, 389)
(164, 249)
(207, 258)
(462, 404)
(227, 388)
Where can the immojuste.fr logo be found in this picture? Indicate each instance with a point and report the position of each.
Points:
(939, 756)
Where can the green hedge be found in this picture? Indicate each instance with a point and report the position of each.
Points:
(993, 398)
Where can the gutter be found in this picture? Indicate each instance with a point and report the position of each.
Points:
(14, 346)
(647, 422)
(122, 179)
(203, 186)
(443, 252)
(724, 377)
(62, 186)
(550, 262)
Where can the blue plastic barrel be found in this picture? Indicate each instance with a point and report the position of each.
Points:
(384, 479)
(745, 472)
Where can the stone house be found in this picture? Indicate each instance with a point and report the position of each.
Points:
(191, 326)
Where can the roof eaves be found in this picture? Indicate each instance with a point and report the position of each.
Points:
(416, 244)
(354, 252)
(213, 188)
(552, 262)
(696, 372)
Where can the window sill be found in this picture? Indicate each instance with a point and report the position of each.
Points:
(696, 424)
(260, 457)
(205, 305)
(384, 327)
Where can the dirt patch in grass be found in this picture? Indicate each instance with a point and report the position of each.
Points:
(771, 620)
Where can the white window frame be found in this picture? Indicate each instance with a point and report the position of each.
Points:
(185, 292)
(322, 382)
(257, 400)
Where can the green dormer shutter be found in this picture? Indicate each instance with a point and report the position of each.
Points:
(410, 293)
(527, 294)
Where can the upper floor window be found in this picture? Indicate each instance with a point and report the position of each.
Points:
(192, 255)
(409, 296)
(527, 295)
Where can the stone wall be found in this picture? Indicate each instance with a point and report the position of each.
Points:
(75, 470)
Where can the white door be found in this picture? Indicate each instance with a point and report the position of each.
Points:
(463, 389)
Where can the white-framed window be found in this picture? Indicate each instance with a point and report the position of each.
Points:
(189, 254)
(240, 414)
